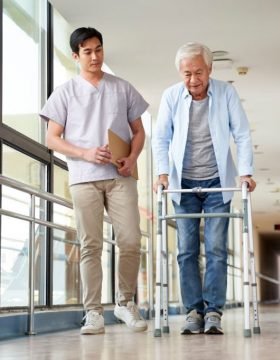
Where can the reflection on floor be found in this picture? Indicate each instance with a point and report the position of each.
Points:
(118, 343)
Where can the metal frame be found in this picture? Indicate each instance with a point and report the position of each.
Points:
(31, 218)
(161, 301)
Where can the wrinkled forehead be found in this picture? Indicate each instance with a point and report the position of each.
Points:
(194, 62)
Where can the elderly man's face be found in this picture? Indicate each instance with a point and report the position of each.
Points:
(195, 74)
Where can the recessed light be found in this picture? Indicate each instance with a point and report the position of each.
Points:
(219, 53)
(222, 63)
(277, 190)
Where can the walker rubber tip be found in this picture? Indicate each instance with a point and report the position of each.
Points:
(247, 332)
(165, 329)
(157, 333)
(257, 330)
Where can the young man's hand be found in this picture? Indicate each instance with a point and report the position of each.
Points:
(99, 155)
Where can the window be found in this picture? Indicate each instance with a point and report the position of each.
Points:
(15, 233)
(22, 67)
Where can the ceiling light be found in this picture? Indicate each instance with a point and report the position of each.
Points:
(219, 53)
(222, 63)
(242, 70)
(277, 190)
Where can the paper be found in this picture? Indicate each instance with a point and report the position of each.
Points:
(119, 148)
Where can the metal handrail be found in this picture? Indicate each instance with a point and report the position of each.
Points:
(6, 181)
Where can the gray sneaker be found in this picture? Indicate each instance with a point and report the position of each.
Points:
(213, 323)
(194, 323)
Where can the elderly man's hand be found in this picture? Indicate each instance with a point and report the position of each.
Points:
(162, 180)
(250, 181)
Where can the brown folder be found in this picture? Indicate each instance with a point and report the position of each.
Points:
(119, 148)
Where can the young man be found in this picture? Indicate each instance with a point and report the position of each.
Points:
(79, 114)
(195, 120)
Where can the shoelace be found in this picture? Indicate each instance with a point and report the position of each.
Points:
(192, 319)
(213, 318)
(90, 318)
(134, 312)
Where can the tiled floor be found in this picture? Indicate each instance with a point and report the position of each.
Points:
(118, 343)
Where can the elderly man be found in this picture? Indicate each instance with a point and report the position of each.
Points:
(192, 149)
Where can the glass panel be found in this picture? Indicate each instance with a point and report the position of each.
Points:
(142, 282)
(66, 269)
(14, 263)
(64, 67)
(15, 233)
(66, 250)
(21, 96)
(62, 215)
(23, 168)
(61, 187)
(145, 180)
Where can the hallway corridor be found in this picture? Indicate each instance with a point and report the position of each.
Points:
(118, 343)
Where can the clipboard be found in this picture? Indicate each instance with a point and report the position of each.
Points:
(119, 148)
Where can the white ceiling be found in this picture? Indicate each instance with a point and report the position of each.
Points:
(141, 38)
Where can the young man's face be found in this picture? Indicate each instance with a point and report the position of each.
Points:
(195, 73)
(90, 56)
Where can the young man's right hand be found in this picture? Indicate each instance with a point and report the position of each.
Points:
(99, 155)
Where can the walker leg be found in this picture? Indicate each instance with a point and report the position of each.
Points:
(164, 256)
(157, 331)
(256, 327)
(247, 329)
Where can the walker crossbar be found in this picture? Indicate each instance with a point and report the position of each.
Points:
(161, 301)
(214, 215)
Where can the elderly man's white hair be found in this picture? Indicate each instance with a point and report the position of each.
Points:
(192, 49)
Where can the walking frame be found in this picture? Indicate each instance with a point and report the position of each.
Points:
(161, 300)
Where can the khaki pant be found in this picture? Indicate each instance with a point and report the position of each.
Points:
(120, 199)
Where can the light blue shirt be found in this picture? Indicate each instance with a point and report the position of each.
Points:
(226, 117)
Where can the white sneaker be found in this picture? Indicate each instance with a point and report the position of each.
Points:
(130, 315)
(94, 323)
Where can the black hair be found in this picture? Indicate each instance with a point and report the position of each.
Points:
(80, 35)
